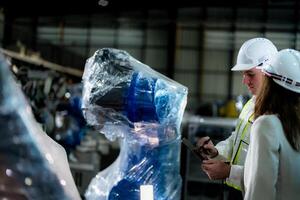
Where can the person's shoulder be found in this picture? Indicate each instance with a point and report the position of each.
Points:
(268, 120)
(266, 127)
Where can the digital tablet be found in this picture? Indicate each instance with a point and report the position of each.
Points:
(192, 148)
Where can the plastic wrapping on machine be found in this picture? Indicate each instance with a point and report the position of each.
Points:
(126, 99)
(32, 165)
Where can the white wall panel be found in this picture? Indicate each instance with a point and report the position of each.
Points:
(214, 84)
(281, 40)
(189, 38)
(187, 59)
(218, 39)
(187, 79)
(216, 60)
(156, 58)
(130, 37)
(102, 37)
(157, 37)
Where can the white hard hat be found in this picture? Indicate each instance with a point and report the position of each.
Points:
(254, 52)
(284, 68)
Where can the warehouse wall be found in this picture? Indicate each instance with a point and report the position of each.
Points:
(1, 25)
(194, 46)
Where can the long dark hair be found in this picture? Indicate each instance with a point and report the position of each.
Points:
(275, 99)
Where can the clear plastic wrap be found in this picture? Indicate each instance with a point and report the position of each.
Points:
(32, 165)
(126, 99)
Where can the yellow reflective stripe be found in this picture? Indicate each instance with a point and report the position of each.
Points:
(237, 155)
(244, 113)
(242, 138)
(237, 131)
(245, 108)
(234, 186)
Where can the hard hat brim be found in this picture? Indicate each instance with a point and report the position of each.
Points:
(287, 86)
(242, 67)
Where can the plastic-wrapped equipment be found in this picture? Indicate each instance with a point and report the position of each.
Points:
(32, 165)
(126, 99)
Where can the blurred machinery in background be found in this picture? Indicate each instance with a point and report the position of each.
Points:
(227, 109)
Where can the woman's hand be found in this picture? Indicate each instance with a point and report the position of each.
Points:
(216, 169)
(206, 148)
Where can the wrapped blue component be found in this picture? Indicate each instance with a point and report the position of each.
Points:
(32, 165)
(126, 99)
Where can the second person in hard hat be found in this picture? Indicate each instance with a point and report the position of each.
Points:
(273, 159)
(254, 52)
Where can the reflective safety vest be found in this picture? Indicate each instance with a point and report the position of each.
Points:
(242, 137)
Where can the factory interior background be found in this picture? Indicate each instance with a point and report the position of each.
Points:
(193, 42)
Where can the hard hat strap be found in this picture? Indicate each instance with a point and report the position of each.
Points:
(281, 78)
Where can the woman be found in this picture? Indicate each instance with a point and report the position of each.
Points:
(272, 167)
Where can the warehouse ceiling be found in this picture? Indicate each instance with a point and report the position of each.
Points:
(65, 7)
